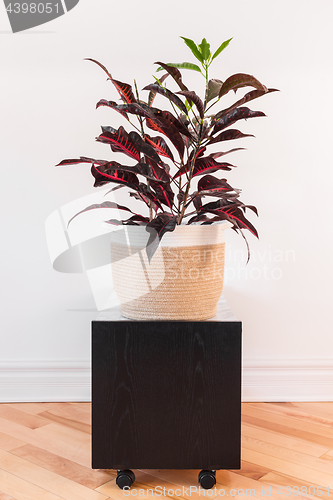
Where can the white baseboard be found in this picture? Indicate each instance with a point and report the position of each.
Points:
(45, 381)
(70, 380)
(287, 380)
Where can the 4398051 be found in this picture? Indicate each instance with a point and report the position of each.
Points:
(33, 8)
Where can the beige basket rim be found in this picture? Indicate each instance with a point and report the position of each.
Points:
(183, 235)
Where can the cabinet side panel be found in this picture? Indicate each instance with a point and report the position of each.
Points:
(114, 419)
(166, 394)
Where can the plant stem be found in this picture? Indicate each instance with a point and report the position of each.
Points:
(189, 181)
(206, 93)
(205, 66)
(213, 104)
(151, 215)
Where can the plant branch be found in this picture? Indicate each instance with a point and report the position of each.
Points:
(151, 215)
(189, 181)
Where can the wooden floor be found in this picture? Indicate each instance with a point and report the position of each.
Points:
(287, 451)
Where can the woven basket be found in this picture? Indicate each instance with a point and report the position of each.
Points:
(184, 279)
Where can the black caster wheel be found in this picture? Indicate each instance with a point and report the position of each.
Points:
(207, 479)
(125, 478)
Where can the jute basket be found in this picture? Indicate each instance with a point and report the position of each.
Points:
(184, 279)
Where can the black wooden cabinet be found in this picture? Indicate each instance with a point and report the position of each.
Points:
(166, 395)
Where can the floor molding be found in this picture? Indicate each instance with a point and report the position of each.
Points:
(287, 380)
(70, 380)
(45, 380)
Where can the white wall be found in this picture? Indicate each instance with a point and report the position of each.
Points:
(47, 109)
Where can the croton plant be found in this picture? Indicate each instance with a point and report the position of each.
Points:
(172, 164)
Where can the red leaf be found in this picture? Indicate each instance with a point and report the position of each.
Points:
(165, 122)
(229, 135)
(134, 220)
(168, 94)
(157, 228)
(155, 173)
(235, 214)
(204, 166)
(120, 141)
(202, 218)
(223, 153)
(231, 213)
(209, 165)
(100, 65)
(106, 204)
(211, 183)
(160, 146)
(145, 148)
(152, 95)
(149, 170)
(239, 80)
(192, 96)
(125, 91)
(251, 207)
(134, 108)
(175, 73)
(211, 186)
(250, 96)
(234, 116)
(118, 176)
(158, 173)
(148, 198)
(163, 193)
(113, 105)
(73, 162)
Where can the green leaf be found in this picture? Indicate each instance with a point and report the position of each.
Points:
(221, 47)
(205, 49)
(193, 47)
(184, 65)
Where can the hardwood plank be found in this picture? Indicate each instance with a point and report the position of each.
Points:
(295, 412)
(52, 406)
(295, 432)
(78, 412)
(253, 471)
(286, 467)
(45, 479)
(32, 408)
(3, 496)
(23, 490)
(284, 444)
(67, 422)
(321, 409)
(69, 451)
(8, 443)
(228, 484)
(68, 435)
(290, 442)
(246, 486)
(82, 406)
(76, 472)
(277, 451)
(22, 418)
(277, 479)
(145, 481)
(328, 455)
(307, 427)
